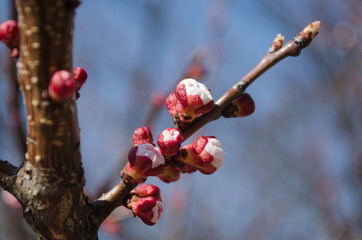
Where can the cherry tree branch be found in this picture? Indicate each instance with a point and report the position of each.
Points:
(119, 193)
(157, 102)
(292, 48)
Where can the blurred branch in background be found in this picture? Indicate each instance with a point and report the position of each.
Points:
(16, 228)
(16, 113)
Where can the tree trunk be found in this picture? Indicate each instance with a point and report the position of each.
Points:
(50, 183)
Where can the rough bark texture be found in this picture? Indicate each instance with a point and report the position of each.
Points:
(53, 205)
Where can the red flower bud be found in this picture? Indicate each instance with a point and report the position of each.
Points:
(9, 33)
(142, 135)
(148, 207)
(194, 98)
(170, 174)
(144, 160)
(80, 76)
(171, 102)
(205, 154)
(245, 105)
(169, 141)
(61, 86)
(147, 190)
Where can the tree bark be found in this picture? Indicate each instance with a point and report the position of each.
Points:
(50, 183)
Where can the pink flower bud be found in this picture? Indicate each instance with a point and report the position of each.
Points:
(170, 174)
(194, 98)
(142, 135)
(169, 141)
(147, 190)
(171, 102)
(80, 76)
(243, 106)
(205, 154)
(9, 33)
(61, 86)
(144, 160)
(149, 206)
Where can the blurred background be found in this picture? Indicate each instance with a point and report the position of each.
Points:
(292, 170)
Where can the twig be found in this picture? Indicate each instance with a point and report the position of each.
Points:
(292, 48)
(114, 198)
(118, 194)
(155, 109)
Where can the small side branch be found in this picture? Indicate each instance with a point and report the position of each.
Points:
(292, 48)
(114, 198)
(8, 174)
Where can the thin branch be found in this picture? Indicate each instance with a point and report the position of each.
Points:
(292, 48)
(155, 108)
(114, 198)
(119, 193)
(8, 174)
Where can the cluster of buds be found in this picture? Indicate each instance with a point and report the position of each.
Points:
(243, 106)
(143, 160)
(204, 154)
(9, 35)
(190, 99)
(146, 203)
(142, 135)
